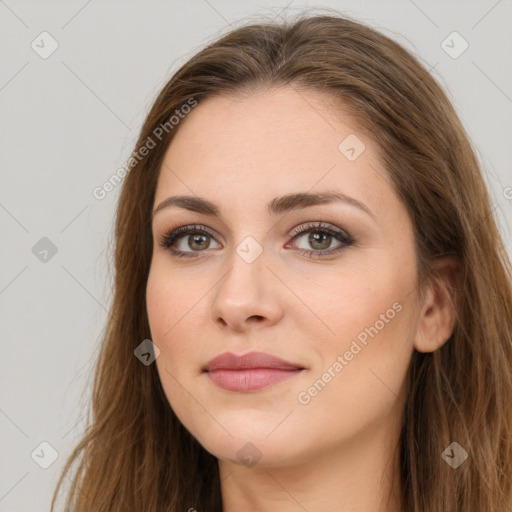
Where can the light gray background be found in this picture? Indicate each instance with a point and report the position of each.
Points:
(69, 121)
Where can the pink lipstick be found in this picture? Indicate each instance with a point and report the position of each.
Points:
(250, 372)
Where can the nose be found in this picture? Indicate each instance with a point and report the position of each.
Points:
(247, 296)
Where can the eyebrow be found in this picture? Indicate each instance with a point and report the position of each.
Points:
(276, 206)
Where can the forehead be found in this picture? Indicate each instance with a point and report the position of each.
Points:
(268, 144)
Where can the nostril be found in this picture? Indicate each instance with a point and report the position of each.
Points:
(256, 317)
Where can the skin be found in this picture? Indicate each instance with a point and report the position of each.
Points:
(338, 451)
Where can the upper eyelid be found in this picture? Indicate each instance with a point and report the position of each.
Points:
(308, 225)
(320, 225)
(185, 230)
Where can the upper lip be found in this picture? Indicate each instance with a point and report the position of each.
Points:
(230, 361)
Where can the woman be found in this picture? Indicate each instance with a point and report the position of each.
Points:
(313, 304)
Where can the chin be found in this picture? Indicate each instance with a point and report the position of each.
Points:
(250, 452)
(245, 436)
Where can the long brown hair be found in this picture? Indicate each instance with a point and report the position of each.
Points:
(135, 453)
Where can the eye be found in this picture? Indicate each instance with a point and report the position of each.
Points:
(320, 236)
(188, 241)
(197, 238)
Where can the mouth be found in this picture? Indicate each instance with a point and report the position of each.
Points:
(250, 372)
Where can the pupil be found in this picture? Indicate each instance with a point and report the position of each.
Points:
(196, 239)
(318, 238)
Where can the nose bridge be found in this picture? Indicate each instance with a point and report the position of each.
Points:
(245, 291)
(244, 277)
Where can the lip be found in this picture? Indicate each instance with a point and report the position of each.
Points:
(249, 372)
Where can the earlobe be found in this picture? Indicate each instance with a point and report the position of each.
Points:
(438, 314)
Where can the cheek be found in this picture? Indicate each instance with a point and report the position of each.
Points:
(373, 318)
(170, 300)
(369, 314)
(368, 292)
(170, 307)
(363, 369)
(177, 307)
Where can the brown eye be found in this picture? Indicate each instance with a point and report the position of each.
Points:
(187, 240)
(319, 240)
(198, 242)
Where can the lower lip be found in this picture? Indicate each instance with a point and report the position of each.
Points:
(250, 380)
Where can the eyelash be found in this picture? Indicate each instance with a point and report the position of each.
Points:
(169, 238)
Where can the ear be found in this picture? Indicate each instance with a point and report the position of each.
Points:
(438, 308)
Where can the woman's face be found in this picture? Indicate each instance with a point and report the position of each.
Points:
(336, 300)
